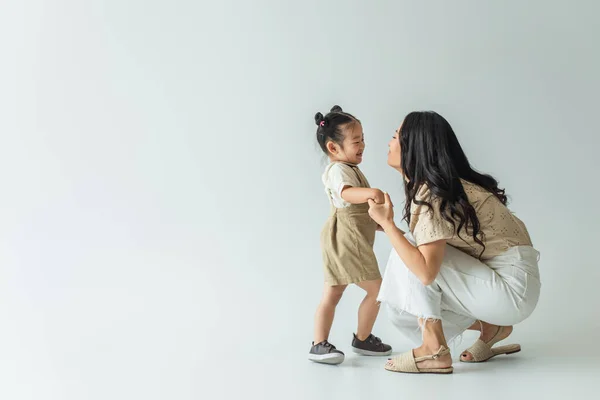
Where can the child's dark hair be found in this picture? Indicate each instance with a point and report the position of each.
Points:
(330, 126)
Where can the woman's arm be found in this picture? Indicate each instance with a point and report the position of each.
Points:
(424, 261)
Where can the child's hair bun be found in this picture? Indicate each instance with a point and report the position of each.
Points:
(319, 118)
(336, 109)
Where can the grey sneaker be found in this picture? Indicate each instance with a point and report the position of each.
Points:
(325, 353)
(371, 346)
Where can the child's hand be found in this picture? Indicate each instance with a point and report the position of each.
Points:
(378, 196)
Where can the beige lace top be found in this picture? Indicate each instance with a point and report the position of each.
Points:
(501, 228)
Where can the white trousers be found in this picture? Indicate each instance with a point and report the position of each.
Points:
(501, 291)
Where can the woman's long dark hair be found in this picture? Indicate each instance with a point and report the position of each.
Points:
(432, 156)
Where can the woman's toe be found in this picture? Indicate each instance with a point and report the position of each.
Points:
(466, 356)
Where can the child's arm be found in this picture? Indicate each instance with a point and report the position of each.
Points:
(358, 195)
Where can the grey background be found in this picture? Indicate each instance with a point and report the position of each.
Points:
(161, 197)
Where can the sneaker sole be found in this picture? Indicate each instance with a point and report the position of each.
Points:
(371, 353)
(331, 359)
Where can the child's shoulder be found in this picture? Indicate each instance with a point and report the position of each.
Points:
(336, 171)
(338, 166)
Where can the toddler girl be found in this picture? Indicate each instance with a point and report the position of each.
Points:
(347, 238)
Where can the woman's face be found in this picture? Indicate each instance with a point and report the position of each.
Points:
(394, 158)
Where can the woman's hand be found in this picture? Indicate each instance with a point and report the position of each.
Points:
(383, 213)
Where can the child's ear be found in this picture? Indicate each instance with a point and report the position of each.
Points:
(332, 147)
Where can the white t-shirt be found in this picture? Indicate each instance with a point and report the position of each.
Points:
(336, 176)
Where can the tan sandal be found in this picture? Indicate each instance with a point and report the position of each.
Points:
(407, 363)
(482, 351)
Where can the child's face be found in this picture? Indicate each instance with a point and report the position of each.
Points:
(353, 146)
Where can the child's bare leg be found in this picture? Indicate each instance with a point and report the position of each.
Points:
(326, 311)
(369, 308)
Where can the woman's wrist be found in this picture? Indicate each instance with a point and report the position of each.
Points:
(388, 226)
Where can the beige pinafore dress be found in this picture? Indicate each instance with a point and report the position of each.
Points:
(347, 243)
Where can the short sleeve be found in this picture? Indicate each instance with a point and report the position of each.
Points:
(339, 176)
(426, 223)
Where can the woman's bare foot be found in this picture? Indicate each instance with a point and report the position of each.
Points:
(488, 331)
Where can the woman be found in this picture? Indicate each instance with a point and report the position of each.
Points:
(469, 263)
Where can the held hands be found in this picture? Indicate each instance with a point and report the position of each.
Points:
(378, 196)
(382, 212)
